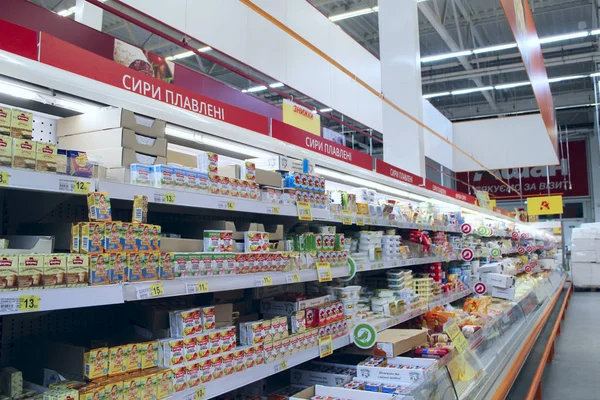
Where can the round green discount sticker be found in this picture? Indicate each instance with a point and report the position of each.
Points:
(365, 335)
(351, 270)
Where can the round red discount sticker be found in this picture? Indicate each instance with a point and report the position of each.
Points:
(528, 268)
(515, 235)
(480, 288)
(530, 249)
(467, 254)
(521, 250)
(466, 228)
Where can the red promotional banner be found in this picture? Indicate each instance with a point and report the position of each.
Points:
(301, 138)
(520, 19)
(449, 192)
(534, 179)
(18, 40)
(389, 170)
(68, 57)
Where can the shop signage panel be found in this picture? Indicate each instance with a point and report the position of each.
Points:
(301, 138)
(534, 179)
(18, 40)
(389, 170)
(68, 57)
(301, 117)
(545, 205)
(449, 192)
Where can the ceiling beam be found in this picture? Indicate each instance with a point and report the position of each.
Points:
(467, 16)
(446, 37)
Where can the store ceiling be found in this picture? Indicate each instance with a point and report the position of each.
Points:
(474, 23)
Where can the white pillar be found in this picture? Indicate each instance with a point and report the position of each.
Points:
(88, 14)
(401, 84)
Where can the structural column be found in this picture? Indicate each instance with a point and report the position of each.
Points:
(88, 14)
(401, 84)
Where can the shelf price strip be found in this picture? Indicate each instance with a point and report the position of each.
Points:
(324, 272)
(196, 287)
(20, 304)
(166, 198)
(292, 278)
(146, 292)
(304, 211)
(227, 205)
(64, 185)
(325, 346)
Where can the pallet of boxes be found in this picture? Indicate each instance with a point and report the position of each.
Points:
(116, 138)
(585, 256)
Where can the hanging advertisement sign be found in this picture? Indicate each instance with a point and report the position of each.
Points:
(334, 136)
(519, 17)
(301, 117)
(534, 180)
(142, 60)
(546, 205)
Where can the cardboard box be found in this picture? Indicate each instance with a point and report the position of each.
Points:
(397, 375)
(584, 256)
(337, 392)
(123, 157)
(230, 171)
(181, 158)
(117, 137)
(280, 163)
(268, 178)
(507, 294)
(582, 273)
(302, 376)
(500, 280)
(583, 244)
(285, 307)
(393, 342)
(109, 118)
(170, 245)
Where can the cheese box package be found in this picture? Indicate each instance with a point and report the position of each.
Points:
(112, 391)
(117, 359)
(77, 270)
(9, 272)
(45, 159)
(165, 271)
(155, 238)
(150, 272)
(78, 164)
(134, 361)
(5, 120)
(55, 271)
(92, 237)
(99, 206)
(31, 270)
(140, 209)
(131, 389)
(163, 176)
(143, 236)
(171, 352)
(164, 386)
(6, 150)
(21, 125)
(136, 262)
(128, 239)
(118, 267)
(24, 152)
(95, 363)
(140, 174)
(149, 354)
(113, 236)
(99, 269)
(75, 238)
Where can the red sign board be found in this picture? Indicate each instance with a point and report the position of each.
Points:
(534, 179)
(68, 57)
(397, 173)
(449, 192)
(519, 16)
(301, 138)
(18, 40)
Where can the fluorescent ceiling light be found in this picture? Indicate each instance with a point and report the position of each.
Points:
(430, 95)
(76, 105)
(595, 32)
(19, 91)
(187, 53)
(67, 12)
(559, 38)
(512, 85)
(254, 89)
(472, 90)
(595, 74)
(495, 48)
(352, 14)
(324, 110)
(446, 55)
(276, 85)
(566, 78)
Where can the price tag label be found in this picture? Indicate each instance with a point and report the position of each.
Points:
(280, 366)
(325, 346)
(81, 187)
(346, 217)
(360, 220)
(156, 289)
(275, 210)
(202, 286)
(304, 211)
(200, 393)
(457, 337)
(4, 178)
(169, 198)
(29, 303)
(292, 278)
(268, 280)
(324, 272)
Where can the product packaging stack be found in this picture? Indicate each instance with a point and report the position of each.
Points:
(585, 255)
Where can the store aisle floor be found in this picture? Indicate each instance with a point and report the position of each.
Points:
(575, 371)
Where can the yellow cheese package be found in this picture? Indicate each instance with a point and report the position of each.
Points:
(99, 206)
(164, 385)
(78, 266)
(140, 209)
(5, 120)
(74, 247)
(149, 354)
(45, 158)
(118, 358)
(21, 125)
(23, 154)
(9, 272)
(55, 271)
(31, 271)
(96, 363)
(134, 361)
(113, 390)
(6, 150)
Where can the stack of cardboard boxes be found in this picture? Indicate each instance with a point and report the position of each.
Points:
(585, 255)
(116, 137)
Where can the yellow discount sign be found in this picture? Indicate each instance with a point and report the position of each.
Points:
(546, 205)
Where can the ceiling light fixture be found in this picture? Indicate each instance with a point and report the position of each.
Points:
(566, 78)
(447, 55)
(187, 53)
(262, 87)
(512, 85)
(19, 91)
(276, 85)
(472, 90)
(499, 47)
(325, 110)
(560, 38)
(431, 95)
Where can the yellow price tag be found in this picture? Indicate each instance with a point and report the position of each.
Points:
(81, 187)
(283, 365)
(4, 178)
(453, 330)
(325, 346)
(268, 280)
(169, 198)
(296, 278)
(346, 217)
(29, 303)
(324, 272)
(304, 211)
(360, 220)
(202, 286)
(230, 205)
(275, 210)
(156, 289)
(200, 393)
(457, 337)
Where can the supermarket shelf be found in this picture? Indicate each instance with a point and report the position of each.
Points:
(179, 287)
(254, 374)
(59, 299)
(337, 218)
(383, 264)
(124, 191)
(42, 181)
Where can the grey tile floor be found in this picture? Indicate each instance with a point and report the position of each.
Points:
(574, 373)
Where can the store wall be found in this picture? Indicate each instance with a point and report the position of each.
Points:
(435, 148)
(251, 39)
(505, 142)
